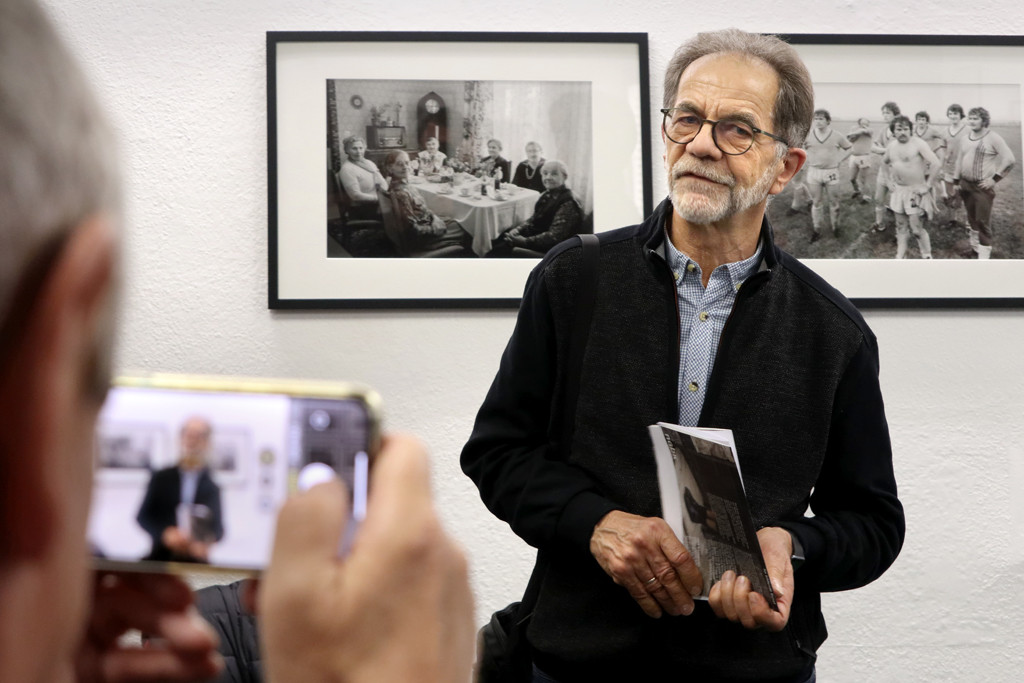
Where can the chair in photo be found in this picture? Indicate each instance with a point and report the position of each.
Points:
(351, 220)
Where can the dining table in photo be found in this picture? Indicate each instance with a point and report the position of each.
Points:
(482, 216)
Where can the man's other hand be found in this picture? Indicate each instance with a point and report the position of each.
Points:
(175, 539)
(398, 608)
(732, 597)
(642, 555)
(183, 647)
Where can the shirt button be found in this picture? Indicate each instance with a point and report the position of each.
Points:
(690, 267)
(703, 316)
(692, 386)
(675, 273)
(738, 285)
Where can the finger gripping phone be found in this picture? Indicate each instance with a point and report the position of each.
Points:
(190, 471)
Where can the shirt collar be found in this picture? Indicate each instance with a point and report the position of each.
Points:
(738, 271)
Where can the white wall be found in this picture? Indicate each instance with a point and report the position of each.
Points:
(186, 81)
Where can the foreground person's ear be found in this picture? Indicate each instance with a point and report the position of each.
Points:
(50, 366)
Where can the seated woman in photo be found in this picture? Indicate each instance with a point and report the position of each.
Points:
(419, 228)
(557, 216)
(494, 165)
(360, 178)
(528, 171)
(431, 159)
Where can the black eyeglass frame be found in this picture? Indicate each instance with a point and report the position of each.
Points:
(714, 135)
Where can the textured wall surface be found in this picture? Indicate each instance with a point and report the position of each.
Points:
(186, 83)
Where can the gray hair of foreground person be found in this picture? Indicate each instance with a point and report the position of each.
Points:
(794, 104)
(59, 203)
(60, 159)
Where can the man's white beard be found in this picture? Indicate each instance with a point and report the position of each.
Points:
(718, 201)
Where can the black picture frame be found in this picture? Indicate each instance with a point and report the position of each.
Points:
(299, 64)
(905, 69)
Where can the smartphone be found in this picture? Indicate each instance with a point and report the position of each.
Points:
(190, 471)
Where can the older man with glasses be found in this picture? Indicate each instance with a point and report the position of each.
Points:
(699, 319)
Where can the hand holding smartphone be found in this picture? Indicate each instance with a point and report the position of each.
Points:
(192, 470)
(399, 608)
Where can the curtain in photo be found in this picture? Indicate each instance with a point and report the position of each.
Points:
(558, 115)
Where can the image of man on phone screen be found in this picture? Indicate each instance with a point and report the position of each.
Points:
(181, 510)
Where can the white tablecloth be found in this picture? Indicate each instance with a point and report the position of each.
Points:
(483, 217)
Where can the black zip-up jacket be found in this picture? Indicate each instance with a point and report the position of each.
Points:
(795, 378)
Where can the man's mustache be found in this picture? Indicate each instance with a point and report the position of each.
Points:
(687, 166)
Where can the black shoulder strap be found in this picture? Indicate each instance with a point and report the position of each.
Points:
(513, 656)
(586, 294)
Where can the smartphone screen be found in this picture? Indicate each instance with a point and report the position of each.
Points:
(195, 476)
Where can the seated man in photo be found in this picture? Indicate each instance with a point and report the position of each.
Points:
(557, 216)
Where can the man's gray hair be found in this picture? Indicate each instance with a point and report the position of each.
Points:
(59, 164)
(794, 104)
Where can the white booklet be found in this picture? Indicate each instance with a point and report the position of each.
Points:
(704, 503)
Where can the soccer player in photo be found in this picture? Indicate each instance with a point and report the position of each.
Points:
(911, 164)
(954, 134)
(826, 149)
(860, 157)
(924, 129)
(985, 159)
(879, 146)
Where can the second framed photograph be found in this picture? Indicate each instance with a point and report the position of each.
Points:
(454, 161)
(912, 195)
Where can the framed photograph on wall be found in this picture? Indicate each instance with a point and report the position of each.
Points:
(453, 160)
(127, 451)
(866, 197)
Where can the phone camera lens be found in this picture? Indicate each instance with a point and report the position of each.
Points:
(319, 420)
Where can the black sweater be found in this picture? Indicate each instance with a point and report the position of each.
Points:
(795, 378)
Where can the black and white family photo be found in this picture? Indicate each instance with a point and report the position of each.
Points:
(447, 168)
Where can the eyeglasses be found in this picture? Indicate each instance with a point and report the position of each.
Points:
(732, 137)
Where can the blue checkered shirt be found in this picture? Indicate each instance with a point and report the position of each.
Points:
(702, 315)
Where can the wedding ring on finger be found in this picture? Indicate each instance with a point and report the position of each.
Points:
(651, 584)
